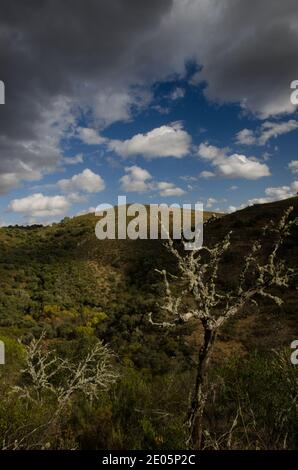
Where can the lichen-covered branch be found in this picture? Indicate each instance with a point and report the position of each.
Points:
(201, 297)
(48, 376)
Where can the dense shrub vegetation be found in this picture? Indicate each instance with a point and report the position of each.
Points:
(62, 282)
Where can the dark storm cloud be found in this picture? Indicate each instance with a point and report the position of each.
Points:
(253, 55)
(58, 55)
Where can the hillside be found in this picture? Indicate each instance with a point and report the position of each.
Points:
(50, 273)
(62, 280)
(66, 265)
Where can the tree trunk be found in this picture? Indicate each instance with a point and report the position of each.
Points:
(196, 411)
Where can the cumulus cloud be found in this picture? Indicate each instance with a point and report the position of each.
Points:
(73, 160)
(38, 205)
(136, 179)
(169, 140)
(245, 137)
(293, 166)
(211, 152)
(240, 166)
(11, 180)
(166, 141)
(267, 131)
(274, 129)
(169, 189)
(87, 181)
(76, 198)
(207, 174)
(90, 136)
(139, 180)
(210, 202)
(234, 165)
(276, 194)
(114, 105)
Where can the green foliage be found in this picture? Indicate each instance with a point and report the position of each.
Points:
(262, 392)
(62, 280)
(14, 358)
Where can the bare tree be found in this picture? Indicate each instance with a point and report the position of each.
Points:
(203, 299)
(48, 375)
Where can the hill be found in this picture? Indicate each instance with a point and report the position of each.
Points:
(62, 280)
(50, 274)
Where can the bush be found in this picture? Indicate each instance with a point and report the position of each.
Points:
(260, 394)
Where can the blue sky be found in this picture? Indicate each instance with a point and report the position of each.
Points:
(172, 136)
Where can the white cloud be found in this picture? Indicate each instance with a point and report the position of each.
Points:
(87, 181)
(136, 179)
(11, 180)
(38, 205)
(139, 180)
(210, 202)
(169, 189)
(115, 104)
(76, 198)
(169, 140)
(211, 153)
(166, 141)
(267, 131)
(281, 192)
(177, 93)
(240, 166)
(276, 194)
(293, 166)
(274, 129)
(207, 174)
(233, 166)
(73, 160)
(245, 137)
(89, 136)
(90, 210)
(188, 178)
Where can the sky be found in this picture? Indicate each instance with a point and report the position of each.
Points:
(167, 101)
